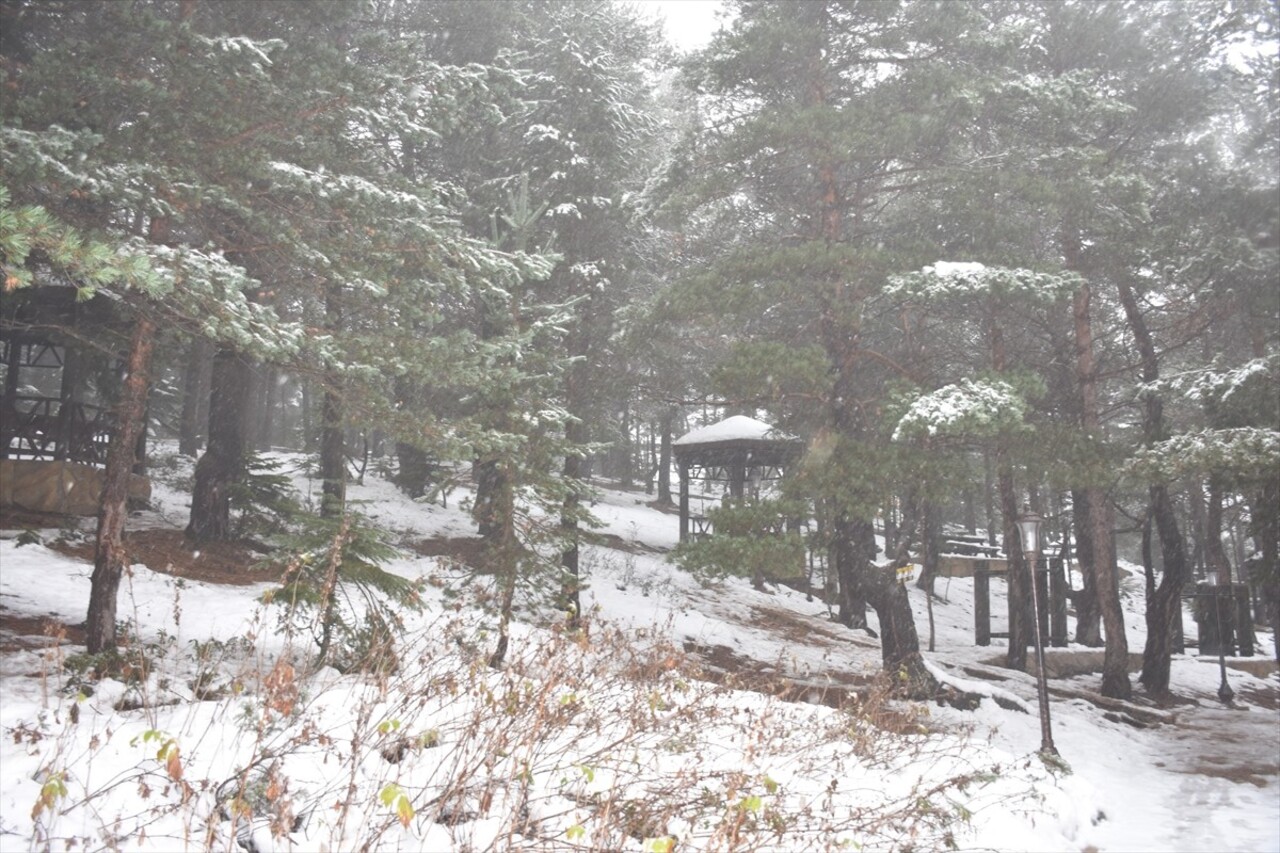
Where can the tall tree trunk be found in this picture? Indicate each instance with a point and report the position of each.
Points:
(626, 452)
(887, 595)
(487, 509)
(109, 552)
(571, 577)
(889, 526)
(576, 431)
(333, 452)
(930, 527)
(1115, 672)
(1265, 528)
(849, 565)
(333, 438)
(264, 430)
(1088, 613)
(852, 540)
(988, 493)
(1164, 604)
(1164, 608)
(222, 464)
(667, 425)
(195, 396)
(930, 540)
(1016, 574)
(504, 556)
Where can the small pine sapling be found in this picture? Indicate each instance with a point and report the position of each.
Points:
(336, 573)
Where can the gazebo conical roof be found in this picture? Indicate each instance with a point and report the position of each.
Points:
(738, 439)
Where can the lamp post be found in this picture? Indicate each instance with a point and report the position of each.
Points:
(1029, 530)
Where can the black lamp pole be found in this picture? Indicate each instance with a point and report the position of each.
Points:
(1029, 528)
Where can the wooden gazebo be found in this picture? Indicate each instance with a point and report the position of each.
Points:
(732, 457)
(53, 441)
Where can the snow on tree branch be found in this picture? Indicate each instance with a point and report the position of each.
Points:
(965, 409)
(1245, 452)
(949, 279)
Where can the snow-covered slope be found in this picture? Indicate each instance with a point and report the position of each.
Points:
(606, 739)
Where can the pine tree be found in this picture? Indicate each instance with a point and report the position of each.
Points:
(281, 179)
(823, 127)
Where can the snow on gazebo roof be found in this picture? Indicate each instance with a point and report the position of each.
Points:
(737, 428)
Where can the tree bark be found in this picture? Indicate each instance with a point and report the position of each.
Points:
(664, 457)
(929, 523)
(333, 439)
(626, 453)
(1265, 528)
(1015, 575)
(222, 464)
(1088, 614)
(1164, 608)
(333, 453)
(1020, 626)
(849, 566)
(195, 396)
(571, 578)
(1164, 604)
(1115, 671)
(269, 399)
(110, 556)
(899, 642)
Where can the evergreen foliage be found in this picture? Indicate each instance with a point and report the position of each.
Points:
(936, 240)
(334, 586)
(751, 539)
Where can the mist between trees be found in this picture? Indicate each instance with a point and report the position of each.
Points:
(976, 255)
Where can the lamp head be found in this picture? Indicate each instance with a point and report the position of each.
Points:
(1029, 531)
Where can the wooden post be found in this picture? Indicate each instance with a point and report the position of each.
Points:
(13, 365)
(68, 404)
(737, 479)
(981, 603)
(1057, 603)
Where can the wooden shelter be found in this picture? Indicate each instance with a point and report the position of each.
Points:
(733, 458)
(53, 441)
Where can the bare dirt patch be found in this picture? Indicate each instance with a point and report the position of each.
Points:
(17, 518)
(722, 665)
(1253, 774)
(19, 631)
(468, 551)
(170, 552)
(1264, 697)
(612, 540)
(800, 630)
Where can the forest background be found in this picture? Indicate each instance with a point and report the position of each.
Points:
(976, 255)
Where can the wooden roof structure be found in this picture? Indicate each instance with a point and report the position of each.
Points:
(734, 446)
(38, 339)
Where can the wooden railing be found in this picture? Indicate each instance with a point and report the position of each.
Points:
(48, 428)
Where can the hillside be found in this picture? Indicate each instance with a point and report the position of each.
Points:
(683, 717)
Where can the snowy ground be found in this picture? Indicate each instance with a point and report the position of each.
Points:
(604, 742)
